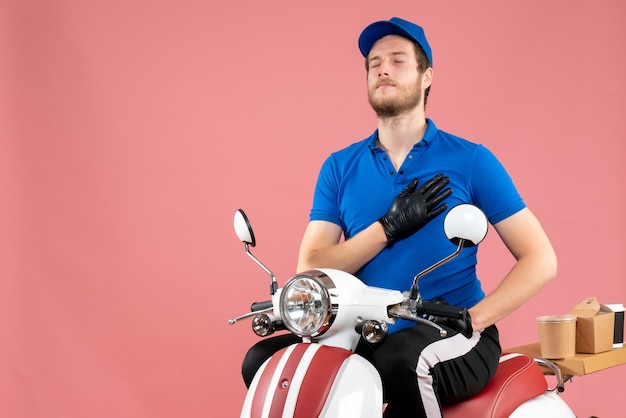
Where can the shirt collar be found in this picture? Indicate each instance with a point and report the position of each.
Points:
(429, 135)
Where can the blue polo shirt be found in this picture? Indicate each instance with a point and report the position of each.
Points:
(357, 185)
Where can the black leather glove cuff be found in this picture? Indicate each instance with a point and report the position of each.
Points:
(389, 229)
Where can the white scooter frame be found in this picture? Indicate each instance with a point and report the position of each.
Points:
(331, 310)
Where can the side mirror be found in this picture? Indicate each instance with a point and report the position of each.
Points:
(243, 229)
(466, 223)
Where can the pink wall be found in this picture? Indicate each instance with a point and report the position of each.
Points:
(130, 132)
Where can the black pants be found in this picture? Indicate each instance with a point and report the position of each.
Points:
(420, 370)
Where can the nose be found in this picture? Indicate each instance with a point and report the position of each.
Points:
(382, 68)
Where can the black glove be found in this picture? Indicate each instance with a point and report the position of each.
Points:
(412, 209)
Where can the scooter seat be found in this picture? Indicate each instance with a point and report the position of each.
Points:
(517, 379)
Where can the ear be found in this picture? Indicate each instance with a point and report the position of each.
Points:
(427, 78)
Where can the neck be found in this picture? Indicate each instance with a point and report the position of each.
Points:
(397, 135)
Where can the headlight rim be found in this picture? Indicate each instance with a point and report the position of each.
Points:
(328, 288)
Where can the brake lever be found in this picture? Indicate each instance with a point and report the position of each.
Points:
(399, 311)
(249, 314)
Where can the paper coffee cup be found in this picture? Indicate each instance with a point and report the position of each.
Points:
(557, 336)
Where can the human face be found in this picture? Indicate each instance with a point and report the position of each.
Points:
(395, 85)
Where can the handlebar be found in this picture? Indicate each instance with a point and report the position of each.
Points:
(442, 310)
(261, 306)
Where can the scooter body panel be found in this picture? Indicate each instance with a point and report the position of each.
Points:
(357, 391)
(305, 380)
(549, 404)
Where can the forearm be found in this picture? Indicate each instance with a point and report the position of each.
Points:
(410, 211)
(349, 255)
(524, 280)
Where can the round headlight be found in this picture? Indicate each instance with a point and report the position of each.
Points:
(305, 304)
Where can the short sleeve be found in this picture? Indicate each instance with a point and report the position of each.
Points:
(492, 187)
(325, 197)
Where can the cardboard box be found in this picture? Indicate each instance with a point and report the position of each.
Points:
(580, 364)
(595, 326)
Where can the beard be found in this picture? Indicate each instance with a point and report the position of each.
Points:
(406, 99)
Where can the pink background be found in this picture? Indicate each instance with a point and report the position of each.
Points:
(131, 131)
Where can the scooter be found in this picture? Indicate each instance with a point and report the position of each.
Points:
(331, 310)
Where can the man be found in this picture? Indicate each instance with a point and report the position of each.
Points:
(384, 195)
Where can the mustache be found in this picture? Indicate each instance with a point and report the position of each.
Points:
(385, 81)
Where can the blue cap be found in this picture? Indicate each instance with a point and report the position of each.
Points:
(393, 26)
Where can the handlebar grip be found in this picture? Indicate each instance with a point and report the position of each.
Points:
(443, 310)
(260, 306)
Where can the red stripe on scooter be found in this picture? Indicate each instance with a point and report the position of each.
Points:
(280, 394)
(318, 380)
(263, 389)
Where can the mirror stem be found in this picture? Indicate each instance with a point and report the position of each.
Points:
(414, 288)
(273, 283)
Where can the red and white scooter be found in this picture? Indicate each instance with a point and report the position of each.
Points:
(331, 310)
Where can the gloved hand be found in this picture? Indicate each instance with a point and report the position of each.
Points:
(412, 209)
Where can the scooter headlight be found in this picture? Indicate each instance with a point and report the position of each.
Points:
(305, 304)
